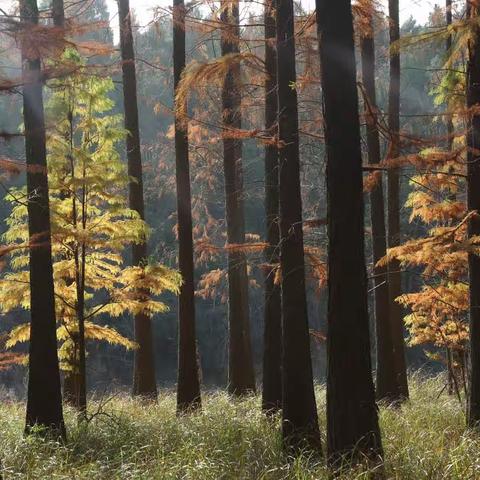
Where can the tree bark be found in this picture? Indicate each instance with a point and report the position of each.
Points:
(387, 387)
(58, 13)
(272, 351)
(144, 380)
(299, 410)
(394, 274)
(353, 430)
(44, 403)
(188, 386)
(241, 375)
(473, 202)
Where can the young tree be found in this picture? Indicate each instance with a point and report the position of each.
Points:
(144, 381)
(473, 205)
(188, 386)
(352, 421)
(44, 402)
(387, 386)
(299, 410)
(393, 180)
(241, 374)
(91, 227)
(272, 351)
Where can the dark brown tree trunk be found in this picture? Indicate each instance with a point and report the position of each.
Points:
(299, 410)
(272, 351)
(352, 418)
(394, 274)
(144, 381)
(44, 403)
(58, 13)
(188, 386)
(473, 202)
(387, 387)
(241, 375)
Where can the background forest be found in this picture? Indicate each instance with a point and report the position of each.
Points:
(111, 366)
(260, 216)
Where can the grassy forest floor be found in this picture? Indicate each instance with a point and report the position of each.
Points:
(426, 439)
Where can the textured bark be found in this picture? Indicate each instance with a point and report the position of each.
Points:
(144, 381)
(241, 375)
(299, 410)
(387, 387)
(352, 421)
(394, 274)
(188, 386)
(272, 350)
(473, 202)
(44, 403)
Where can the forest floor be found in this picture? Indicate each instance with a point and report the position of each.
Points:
(425, 439)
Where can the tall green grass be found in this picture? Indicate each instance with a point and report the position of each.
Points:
(425, 439)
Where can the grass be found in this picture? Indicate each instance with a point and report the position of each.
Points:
(426, 439)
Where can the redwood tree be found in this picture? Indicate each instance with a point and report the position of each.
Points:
(394, 275)
(387, 385)
(44, 402)
(241, 375)
(144, 382)
(272, 350)
(299, 410)
(188, 387)
(352, 419)
(473, 203)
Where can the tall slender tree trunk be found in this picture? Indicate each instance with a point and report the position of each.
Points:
(352, 419)
(188, 386)
(473, 202)
(299, 410)
(44, 403)
(144, 381)
(387, 387)
(241, 375)
(272, 350)
(394, 274)
(58, 13)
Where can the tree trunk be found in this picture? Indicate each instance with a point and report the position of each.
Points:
(44, 403)
(352, 419)
(58, 13)
(272, 352)
(188, 387)
(394, 274)
(144, 381)
(387, 387)
(473, 202)
(241, 375)
(299, 410)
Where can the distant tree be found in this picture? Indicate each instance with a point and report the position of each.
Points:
(144, 380)
(272, 350)
(241, 376)
(387, 385)
(473, 205)
(393, 180)
(188, 386)
(44, 401)
(299, 410)
(353, 432)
